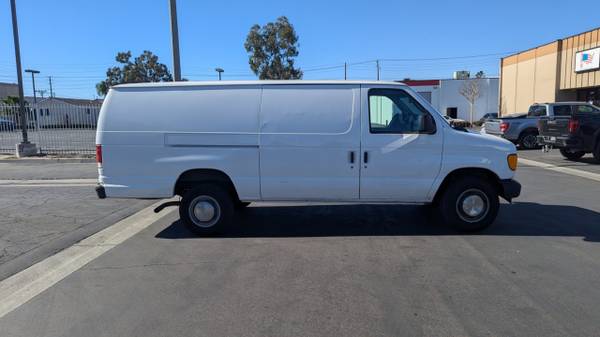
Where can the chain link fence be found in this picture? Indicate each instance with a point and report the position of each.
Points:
(57, 129)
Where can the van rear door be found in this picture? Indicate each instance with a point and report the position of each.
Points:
(310, 142)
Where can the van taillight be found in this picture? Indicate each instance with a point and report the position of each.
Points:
(504, 126)
(573, 125)
(99, 154)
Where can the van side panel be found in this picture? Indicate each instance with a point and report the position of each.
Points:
(307, 133)
(150, 136)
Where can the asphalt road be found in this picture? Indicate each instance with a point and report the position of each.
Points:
(586, 163)
(37, 220)
(344, 270)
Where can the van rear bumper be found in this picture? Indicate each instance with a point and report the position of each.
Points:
(100, 192)
(510, 189)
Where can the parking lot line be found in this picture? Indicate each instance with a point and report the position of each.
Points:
(47, 182)
(565, 170)
(23, 286)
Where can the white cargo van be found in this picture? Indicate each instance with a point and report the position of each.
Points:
(222, 145)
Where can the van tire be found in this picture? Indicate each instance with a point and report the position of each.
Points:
(469, 193)
(528, 140)
(571, 155)
(206, 209)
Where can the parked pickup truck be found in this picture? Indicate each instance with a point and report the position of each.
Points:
(574, 128)
(520, 128)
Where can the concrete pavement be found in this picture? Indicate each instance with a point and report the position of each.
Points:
(344, 270)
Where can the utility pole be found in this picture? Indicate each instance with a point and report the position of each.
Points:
(24, 148)
(175, 40)
(33, 72)
(51, 91)
(42, 92)
(219, 70)
(345, 70)
(378, 69)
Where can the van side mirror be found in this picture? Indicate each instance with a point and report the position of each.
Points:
(428, 124)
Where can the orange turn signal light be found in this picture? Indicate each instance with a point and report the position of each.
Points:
(512, 160)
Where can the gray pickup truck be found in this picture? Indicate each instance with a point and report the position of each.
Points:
(521, 129)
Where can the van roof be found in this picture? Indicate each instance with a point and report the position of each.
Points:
(263, 82)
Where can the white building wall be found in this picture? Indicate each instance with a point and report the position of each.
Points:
(449, 96)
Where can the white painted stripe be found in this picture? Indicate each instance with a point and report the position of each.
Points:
(47, 185)
(47, 181)
(23, 286)
(565, 170)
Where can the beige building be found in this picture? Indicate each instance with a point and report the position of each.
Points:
(564, 70)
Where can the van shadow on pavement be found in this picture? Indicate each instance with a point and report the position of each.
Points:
(518, 219)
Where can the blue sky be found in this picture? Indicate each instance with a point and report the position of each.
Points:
(75, 41)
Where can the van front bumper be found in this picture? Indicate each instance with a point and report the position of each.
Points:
(510, 189)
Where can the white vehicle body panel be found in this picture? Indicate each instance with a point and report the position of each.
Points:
(400, 167)
(278, 141)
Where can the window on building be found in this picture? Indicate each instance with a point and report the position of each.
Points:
(395, 111)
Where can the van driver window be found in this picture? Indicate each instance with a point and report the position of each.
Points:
(394, 111)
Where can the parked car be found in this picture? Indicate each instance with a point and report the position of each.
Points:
(457, 122)
(520, 128)
(7, 125)
(574, 129)
(490, 115)
(486, 117)
(222, 145)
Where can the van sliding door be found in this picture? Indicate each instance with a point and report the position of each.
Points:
(310, 142)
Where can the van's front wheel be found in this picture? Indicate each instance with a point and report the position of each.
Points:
(206, 209)
(469, 204)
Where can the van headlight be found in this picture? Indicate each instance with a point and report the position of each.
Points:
(512, 160)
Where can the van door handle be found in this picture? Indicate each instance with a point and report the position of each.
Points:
(351, 157)
(366, 157)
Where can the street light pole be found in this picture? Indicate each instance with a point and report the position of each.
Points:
(33, 72)
(13, 8)
(175, 40)
(219, 70)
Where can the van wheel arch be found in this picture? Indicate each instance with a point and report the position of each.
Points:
(469, 172)
(191, 178)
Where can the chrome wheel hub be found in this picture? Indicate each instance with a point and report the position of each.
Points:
(204, 211)
(472, 205)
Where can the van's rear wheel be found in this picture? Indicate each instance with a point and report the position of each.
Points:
(469, 204)
(206, 209)
(571, 155)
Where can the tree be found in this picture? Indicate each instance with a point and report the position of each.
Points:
(144, 68)
(272, 49)
(480, 74)
(471, 91)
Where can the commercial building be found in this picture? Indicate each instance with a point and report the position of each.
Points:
(564, 70)
(8, 89)
(444, 95)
